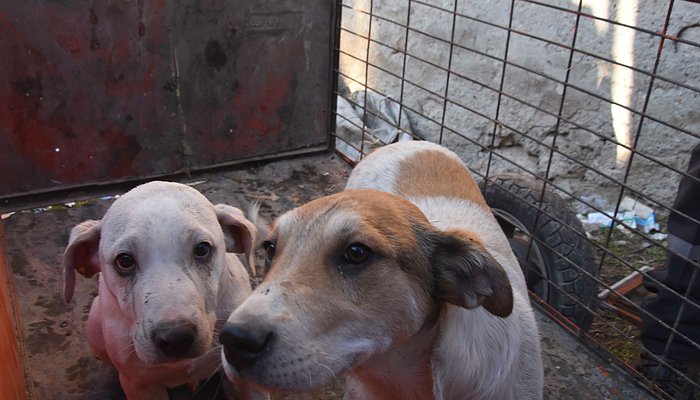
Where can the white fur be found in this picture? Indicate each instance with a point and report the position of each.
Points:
(383, 324)
(159, 224)
(476, 355)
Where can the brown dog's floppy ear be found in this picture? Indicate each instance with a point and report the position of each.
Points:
(81, 255)
(239, 233)
(468, 276)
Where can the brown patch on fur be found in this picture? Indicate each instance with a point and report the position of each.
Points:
(387, 217)
(309, 240)
(433, 173)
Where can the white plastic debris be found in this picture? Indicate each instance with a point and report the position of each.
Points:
(658, 236)
(632, 214)
(643, 215)
(604, 221)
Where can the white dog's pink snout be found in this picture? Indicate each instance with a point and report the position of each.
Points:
(245, 344)
(175, 339)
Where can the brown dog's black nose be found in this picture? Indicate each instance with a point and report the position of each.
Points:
(243, 345)
(174, 340)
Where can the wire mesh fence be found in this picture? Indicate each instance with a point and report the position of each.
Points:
(580, 118)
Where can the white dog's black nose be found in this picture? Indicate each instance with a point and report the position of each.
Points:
(174, 340)
(244, 345)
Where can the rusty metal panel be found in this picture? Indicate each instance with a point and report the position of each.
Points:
(101, 91)
(12, 382)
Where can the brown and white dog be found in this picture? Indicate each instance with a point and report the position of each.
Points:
(167, 283)
(404, 282)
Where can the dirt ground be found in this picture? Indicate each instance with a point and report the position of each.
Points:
(621, 335)
(57, 359)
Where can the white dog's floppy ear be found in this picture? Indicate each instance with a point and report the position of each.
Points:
(468, 276)
(81, 255)
(239, 233)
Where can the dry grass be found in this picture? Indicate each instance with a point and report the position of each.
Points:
(626, 252)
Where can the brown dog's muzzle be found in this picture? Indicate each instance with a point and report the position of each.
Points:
(244, 345)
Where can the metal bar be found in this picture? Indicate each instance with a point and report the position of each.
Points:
(336, 19)
(449, 70)
(613, 22)
(621, 184)
(619, 299)
(403, 64)
(600, 247)
(500, 89)
(540, 109)
(539, 142)
(541, 39)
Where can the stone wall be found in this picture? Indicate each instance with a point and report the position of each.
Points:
(588, 162)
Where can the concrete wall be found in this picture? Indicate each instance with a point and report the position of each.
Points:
(524, 131)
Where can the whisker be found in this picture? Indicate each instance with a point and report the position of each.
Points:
(129, 349)
(344, 365)
(333, 375)
(308, 371)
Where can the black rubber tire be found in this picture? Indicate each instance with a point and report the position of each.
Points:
(569, 286)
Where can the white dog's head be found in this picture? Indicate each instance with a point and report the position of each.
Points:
(160, 249)
(347, 276)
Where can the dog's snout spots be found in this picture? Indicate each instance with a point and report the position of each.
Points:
(298, 360)
(267, 291)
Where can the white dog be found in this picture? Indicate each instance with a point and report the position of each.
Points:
(166, 284)
(404, 282)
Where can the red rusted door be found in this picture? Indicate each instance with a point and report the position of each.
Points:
(103, 91)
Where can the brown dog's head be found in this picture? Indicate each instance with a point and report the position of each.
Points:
(346, 276)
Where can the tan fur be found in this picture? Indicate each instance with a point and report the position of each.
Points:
(416, 180)
(377, 227)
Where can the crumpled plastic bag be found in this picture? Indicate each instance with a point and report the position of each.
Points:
(380, 121)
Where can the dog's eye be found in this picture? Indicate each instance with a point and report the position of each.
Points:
(202, 250)
(357, 253)
(125, 263)
(269, 248)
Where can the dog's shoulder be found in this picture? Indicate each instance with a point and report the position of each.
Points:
(415, 169)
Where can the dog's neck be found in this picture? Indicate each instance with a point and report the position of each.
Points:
(402, 372)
